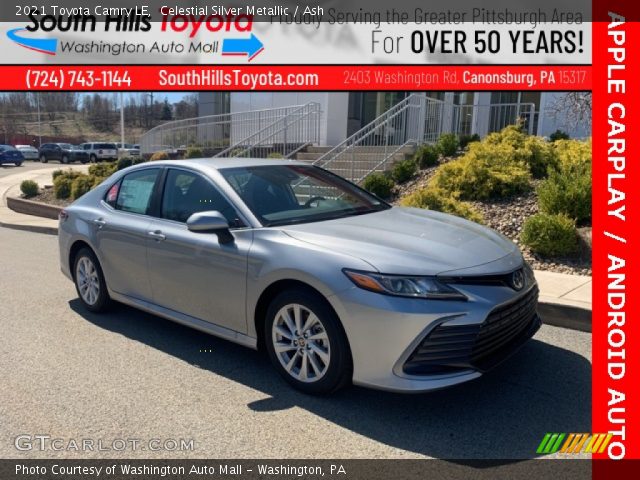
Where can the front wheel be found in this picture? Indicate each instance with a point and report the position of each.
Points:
(18, 164)
(89, 281)
(65, 159)
(93, 159)
(306, 342)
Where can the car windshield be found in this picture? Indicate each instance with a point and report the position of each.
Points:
(291, 194)
(66, 146)
(6, 148)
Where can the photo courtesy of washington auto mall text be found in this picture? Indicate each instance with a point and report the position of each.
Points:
(334, 239)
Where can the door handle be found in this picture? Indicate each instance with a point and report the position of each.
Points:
(99, 222)
(157, 235)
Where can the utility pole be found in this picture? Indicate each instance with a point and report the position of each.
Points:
(121, 121)
(39, 128)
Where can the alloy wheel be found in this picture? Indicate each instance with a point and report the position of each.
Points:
(301, 343)
(87, 280)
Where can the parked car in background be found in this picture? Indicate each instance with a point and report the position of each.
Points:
(99, 151)
(62, 152)
(128, 149)
(28, 152)
(334, 283)
(10, 154)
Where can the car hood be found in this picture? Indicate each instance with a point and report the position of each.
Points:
(414, 242)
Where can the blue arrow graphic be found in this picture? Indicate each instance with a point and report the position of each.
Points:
(43, 45)
(242, 46)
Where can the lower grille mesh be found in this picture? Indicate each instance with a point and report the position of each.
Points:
(455, 347)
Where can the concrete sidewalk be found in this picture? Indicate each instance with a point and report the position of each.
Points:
(565, 300)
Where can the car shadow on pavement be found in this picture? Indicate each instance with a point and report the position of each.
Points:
(501, 416)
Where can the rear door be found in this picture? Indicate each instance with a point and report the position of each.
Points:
(123, 231)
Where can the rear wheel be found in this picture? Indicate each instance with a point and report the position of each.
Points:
(93, 158)
(43, 159)
(65, 159)
(89, 281)
(306, 343)
(18, 164)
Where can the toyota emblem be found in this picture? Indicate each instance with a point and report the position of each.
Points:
(517, 280)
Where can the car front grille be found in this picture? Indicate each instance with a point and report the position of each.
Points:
(450, 348)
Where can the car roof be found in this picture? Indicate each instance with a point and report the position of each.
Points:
(220, 163)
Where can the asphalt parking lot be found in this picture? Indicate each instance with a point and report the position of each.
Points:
(70, 374)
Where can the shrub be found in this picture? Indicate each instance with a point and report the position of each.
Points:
(441, 201)
(57, 173)
(275, 155)
(426, 156)
(559, 135)
(467, 139)
(124, 162)
(539, 155)
(81, 185)
(447, 144)
(103, 169)
(567, 191)
(485, 171)
(572, 152)
(62, 186)
(159, 156)
(194, 152)
(513, 135)
(404, 170)
(29, 188)
(550, 235)
(379, 184)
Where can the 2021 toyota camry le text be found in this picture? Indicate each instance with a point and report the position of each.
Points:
(335, 284)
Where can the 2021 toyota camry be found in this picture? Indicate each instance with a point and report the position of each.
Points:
(336, 285)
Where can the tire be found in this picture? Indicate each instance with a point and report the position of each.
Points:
(18, 164)
(93, 158)
(43, 159)
(86, 266)
(83, 161)
(65, 159)
(325, 361)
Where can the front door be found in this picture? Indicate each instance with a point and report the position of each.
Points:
(194, 273)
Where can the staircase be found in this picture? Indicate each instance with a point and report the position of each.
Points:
(387, 139)
(359, 159)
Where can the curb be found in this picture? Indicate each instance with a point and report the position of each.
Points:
(565, 316)
(37, 209)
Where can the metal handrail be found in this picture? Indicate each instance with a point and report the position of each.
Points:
(213, 132)
(283, 125)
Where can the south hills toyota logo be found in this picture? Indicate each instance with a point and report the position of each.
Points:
(31, 36)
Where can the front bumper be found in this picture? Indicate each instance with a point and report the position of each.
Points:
(392, 338)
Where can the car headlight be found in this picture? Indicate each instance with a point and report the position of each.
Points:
(403, 286)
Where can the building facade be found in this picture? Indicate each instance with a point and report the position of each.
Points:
(344, 113)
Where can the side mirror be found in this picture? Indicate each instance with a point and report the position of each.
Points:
(210, 222)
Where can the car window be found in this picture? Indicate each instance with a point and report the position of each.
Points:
(135, 192)
(106, 146)
(186, 193)
(86, 146)
(290, 194)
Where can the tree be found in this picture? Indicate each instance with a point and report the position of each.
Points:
(167, 113)
(575, 108)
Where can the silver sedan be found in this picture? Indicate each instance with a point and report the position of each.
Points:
(335, 284)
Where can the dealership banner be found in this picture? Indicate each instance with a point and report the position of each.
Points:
(554, 69)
